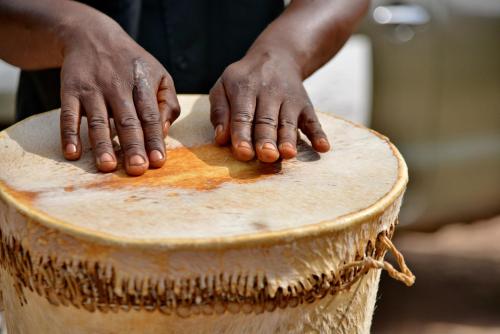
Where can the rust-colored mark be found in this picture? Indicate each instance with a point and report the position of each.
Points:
(69, 189)
(20, 195)
(202, 168)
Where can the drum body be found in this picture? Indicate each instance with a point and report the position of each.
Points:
(44, 294)
(204, 245)
(346, 313)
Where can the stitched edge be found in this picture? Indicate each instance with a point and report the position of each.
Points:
(93, 287)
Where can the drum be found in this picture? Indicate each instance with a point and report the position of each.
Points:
(206, 244)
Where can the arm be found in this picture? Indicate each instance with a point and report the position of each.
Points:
(32, 36)
(104, 73)
(264, 90)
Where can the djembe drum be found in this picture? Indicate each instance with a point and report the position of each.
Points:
(206, 244)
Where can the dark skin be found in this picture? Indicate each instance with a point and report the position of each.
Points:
(257, 104)
(105, 73)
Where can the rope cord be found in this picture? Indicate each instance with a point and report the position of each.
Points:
(403, 275)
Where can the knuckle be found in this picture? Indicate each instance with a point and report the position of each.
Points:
(141, 68)
(311, 122)
(150, 116)
(154, 142)
(97, 122)
(238, 81)
(243, 116)
(308, 118)
(319, 132)
(129, 122)
(69, 132)
(70, 82)
(168, 79)
(309, 110)
(218, 112)
(287, 123)
(267, 120)
(103, 145)
(289, 139)
(142, 85)
(68, 115)
(212, 92)
(273, 89)
(239, 85)
(118, 83)
(216, 90)
(232, 72)
(79, 86)
(132, 147)
(141, 95)
(313, 127)
(170, 108)
(175, 111)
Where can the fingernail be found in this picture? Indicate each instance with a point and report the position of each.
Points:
(218, 130)
(155, 156)
(70, 148)
(105, 157)
(269, 147)
(245, 145)
(244, 151)
(287, 146)
(136, 160)
(324, 143)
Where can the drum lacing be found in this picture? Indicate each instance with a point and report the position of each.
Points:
(404, 274)
(91, 287)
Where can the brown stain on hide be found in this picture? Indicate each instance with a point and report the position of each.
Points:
(201, 168)
(22, 196)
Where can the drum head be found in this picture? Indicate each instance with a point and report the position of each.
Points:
(202, 193)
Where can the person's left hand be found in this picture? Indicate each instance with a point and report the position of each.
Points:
(259, 103)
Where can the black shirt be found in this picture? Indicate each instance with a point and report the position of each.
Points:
(194, 39)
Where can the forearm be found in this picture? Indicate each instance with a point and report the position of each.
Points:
(34, 33)
(310, 32)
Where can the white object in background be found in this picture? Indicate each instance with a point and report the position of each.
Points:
(9, 77)
(343, 86)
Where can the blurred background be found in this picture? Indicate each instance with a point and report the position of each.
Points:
(436, 94)
(425, 73)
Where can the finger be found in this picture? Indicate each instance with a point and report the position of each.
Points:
(168, 104)
(130, 133)
(220, 113)
(99, 133)
(287, 130)
(242, 113)
(266, 127)
(70, 127)
(310, 126)
(146, 105)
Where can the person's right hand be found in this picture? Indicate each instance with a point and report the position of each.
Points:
(105, 73)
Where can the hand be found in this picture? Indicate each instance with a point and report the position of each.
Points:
(106, 74)
(259, 103)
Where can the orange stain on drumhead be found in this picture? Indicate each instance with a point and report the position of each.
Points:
(20, 195)
(204, 167)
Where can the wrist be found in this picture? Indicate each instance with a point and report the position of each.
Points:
(85, 26)
(265, 53)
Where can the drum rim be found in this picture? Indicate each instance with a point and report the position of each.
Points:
(320, 229)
